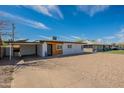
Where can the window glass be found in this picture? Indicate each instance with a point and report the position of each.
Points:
(69, 46)
(59, 47)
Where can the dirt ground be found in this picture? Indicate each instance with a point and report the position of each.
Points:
(6, 70)
(99, 70)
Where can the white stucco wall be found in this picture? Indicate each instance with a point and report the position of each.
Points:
(27, 50)
(90, 50)
(44, 49)
(76, 49)
(39, 50)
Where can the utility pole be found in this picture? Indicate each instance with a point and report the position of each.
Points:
(13, 32)
(12, 36)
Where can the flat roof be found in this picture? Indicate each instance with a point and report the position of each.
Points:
(42, 41)
(26, 43)
(21, 43)
(54, 41)
(61, 41)
(97, 44)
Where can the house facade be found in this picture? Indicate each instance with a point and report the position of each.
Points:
(56, 48)
(120, 46)
(44, 48)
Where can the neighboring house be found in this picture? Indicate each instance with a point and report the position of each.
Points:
(91, 48)
(120, 46)
(95, 46)
(44, 48)
(115, 46)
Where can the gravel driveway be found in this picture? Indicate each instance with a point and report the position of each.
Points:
(91, 70)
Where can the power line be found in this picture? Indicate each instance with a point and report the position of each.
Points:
(11, 34)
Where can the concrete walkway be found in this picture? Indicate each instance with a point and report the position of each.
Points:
(93, 70)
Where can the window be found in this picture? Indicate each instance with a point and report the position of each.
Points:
(59, 47)
(88, 46)
(69, 46)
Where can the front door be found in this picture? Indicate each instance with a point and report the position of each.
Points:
(49, 49)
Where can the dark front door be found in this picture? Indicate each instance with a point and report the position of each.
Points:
(49, 49)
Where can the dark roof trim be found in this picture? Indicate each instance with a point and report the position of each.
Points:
(25, 43)
(61, 41)
(42, 41)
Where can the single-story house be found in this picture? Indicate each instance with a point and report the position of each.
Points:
(120, 46)
(43, 48)
(91, 48)
(52, 48)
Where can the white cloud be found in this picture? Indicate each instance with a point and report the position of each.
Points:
(75, 37)
(99, 40)
(40, 9)
(109, 37)
(119, 36)
(31, 23)
(91, 10)
(50, 10)
(122, 30)
(45, 37)
(65, 38)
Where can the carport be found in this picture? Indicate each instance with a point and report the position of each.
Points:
(23, 49)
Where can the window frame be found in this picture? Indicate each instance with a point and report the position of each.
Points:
(58, 48)
(69, 46)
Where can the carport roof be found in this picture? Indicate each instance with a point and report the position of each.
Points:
(25, 43)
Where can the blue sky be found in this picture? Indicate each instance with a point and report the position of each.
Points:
(100, 23)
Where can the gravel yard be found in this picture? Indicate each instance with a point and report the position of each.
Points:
(6, 70)
(98, 70)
